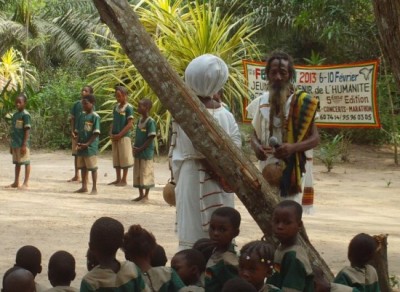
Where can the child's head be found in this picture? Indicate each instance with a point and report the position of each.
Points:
(88, 103)
(121, 94)
(286, 221)
(238, 285)
(20, 102)
(86, 90)
(18, 280)
(91, 260)
(224, 227)
(256, 262)
(189, 264)
(61, 269)
(159, 257)
(144, 106)
(138, 243)
(205, 246)
(361, 250)
(106, 237)
(29, 258)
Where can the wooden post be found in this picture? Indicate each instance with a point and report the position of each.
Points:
(380, 262)
(208, 137)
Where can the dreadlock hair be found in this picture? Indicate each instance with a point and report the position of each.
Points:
(262, 250)
(279, 55)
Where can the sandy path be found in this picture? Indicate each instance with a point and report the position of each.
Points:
(353, 198)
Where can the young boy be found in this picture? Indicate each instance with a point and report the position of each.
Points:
(20, 130)
(223, 263)
(88, 131)
(18, 280)
(106, 237)
(359, 274)
(143, 149)
(29, 258)
(75, 112)
(61, 272)
(292, 267)
(120, 135)
(190, 266)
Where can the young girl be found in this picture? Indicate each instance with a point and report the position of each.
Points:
(139, 246)
(256, 264)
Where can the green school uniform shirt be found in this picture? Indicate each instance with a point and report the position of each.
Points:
(292, 269)
(62, 289)
(121, 116)
(88, 124)
(20, 121)
(77, 110)
(143, 131)
(163, 279)
(220, 268)
(128, 278)
(363, 279)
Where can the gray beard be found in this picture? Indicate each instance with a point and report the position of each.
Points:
(277, 95)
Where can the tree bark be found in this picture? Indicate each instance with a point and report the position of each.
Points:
(207, 136)
(380, 262)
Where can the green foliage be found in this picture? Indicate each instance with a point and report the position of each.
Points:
(182, 31)
(329, 151)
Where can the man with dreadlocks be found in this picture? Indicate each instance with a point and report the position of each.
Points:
(284, 128)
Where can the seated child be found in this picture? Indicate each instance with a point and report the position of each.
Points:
(291, 264)
(322, 285)
(256, 264)
(139, 245)
(106, 237)
(238, 285)
(18, 280)
(359, 274)
(61, 272)
(205, 246)
(159, 257)
(223, 263)
(29, 258)
(190, 266)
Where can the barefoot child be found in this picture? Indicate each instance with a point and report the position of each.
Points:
(88, 131)
(359, 274)
(143, 149)
(106, 237)
(61, 272)
(120, 132)
(256, 264)
(75, 112)
(20, 130)
(292, 267)
(223, 263)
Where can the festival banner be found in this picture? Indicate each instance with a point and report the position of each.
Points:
(346, 93)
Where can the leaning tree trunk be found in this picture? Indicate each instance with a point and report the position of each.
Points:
(207, 136)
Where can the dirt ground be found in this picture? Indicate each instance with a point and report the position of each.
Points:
(359, 196)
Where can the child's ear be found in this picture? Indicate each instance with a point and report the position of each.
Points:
(73, 277)
(40, 269)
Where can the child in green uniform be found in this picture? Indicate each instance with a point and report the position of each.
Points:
(120, 132)
(359, 274)
(20, 130)
(29, 258)
(256, 264)
(88, 131)
(223, 263)
(75, 112)
(61, 272)
(291, 264)
(190, 266)
(106, 237)
(143, 149)
(139, 245)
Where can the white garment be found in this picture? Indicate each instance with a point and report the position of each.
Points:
(197, 196)
(259, 109)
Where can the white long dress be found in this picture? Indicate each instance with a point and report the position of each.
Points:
(197, 195)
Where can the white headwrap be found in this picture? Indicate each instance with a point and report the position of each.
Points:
(206, 75)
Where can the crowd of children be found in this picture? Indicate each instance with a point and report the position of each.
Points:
(212, 265)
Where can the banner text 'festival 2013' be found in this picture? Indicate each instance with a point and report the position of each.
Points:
(346, 93)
